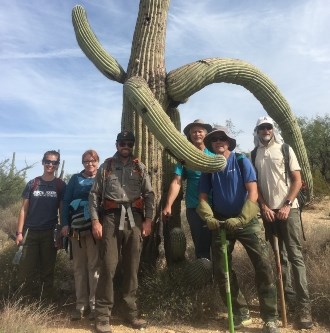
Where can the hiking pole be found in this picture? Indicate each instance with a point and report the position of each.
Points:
(226, 270)
(279, 279)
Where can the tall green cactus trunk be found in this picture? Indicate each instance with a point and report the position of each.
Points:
(148, 61)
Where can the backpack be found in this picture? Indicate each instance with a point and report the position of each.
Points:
(59, 184)
(301, 196)
(239, 158)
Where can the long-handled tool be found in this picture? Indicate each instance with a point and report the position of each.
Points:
(227, 278)
(18, 254)
(279, 279)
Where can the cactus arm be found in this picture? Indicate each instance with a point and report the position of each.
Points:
(186, 80)
(94, 51)
(139, 94)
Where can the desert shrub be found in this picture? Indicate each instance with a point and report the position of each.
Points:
(8, 272)
(317, 254)
(8, 218)
(63, 279)
(321, 186)
(12, 182)
(19, 317)
(164, 295)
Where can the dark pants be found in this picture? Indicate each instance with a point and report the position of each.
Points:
(200, 233)
(251, 237)
(36, 268)
(126, 244)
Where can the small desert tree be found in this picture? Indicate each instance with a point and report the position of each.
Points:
(12, 182)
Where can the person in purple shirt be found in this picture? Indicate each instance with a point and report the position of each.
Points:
(234, 200)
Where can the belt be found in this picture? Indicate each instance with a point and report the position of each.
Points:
(126, 208)
(111, 204)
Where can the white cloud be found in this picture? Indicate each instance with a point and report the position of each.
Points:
(53, 97)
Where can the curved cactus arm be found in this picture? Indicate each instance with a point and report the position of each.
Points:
(93, 49)
(186, 80)
(139, 94)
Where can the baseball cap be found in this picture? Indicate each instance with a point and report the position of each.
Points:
(125, 135)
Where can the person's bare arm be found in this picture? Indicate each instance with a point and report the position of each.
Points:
(173, 192)
(252, 190)
(267, 213)
(21, 219)
(295, 186)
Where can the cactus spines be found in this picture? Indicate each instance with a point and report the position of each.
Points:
(178, 244)
(198, 273)
(137, 91)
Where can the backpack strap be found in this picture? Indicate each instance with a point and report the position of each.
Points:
(253, 156)
(35, 184)
(239, 158)
(286, 155)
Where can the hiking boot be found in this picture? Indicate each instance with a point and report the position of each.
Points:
(242, 321)
(137, 323)
(103, 326)
(270, 327)
(304, 320)
(91, 315)
(76, 314)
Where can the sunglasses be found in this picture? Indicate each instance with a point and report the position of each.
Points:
(128, 144)
(89, 162)
(48, 162)
(219, 138)
(265, 127)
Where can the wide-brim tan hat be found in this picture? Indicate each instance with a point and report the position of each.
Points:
(197, 122)
(216, 130)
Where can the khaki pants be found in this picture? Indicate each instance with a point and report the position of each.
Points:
(126, 243)
(85, 269)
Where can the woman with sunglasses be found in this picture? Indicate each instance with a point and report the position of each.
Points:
(85, 248)
(38, 217)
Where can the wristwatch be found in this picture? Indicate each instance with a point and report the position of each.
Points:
(18, 233)
(288, 203)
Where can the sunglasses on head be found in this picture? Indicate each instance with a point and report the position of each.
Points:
(129, 144)
(265, 127)
(219, 138)
(48, 162)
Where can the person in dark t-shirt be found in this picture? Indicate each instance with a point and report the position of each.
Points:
(38, 217)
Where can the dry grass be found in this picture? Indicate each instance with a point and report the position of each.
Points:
(163, 295)
(18, 317)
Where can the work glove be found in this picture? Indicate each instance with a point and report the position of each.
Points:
(250, 209)
(206, 214)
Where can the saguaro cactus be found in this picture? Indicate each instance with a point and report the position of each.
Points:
(151, 96)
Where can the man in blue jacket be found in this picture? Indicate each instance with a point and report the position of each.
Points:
(234, 201)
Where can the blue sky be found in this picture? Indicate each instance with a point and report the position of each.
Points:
(52, 96)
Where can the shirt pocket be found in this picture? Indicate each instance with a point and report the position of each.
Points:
(112, 183)
(134, 183)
